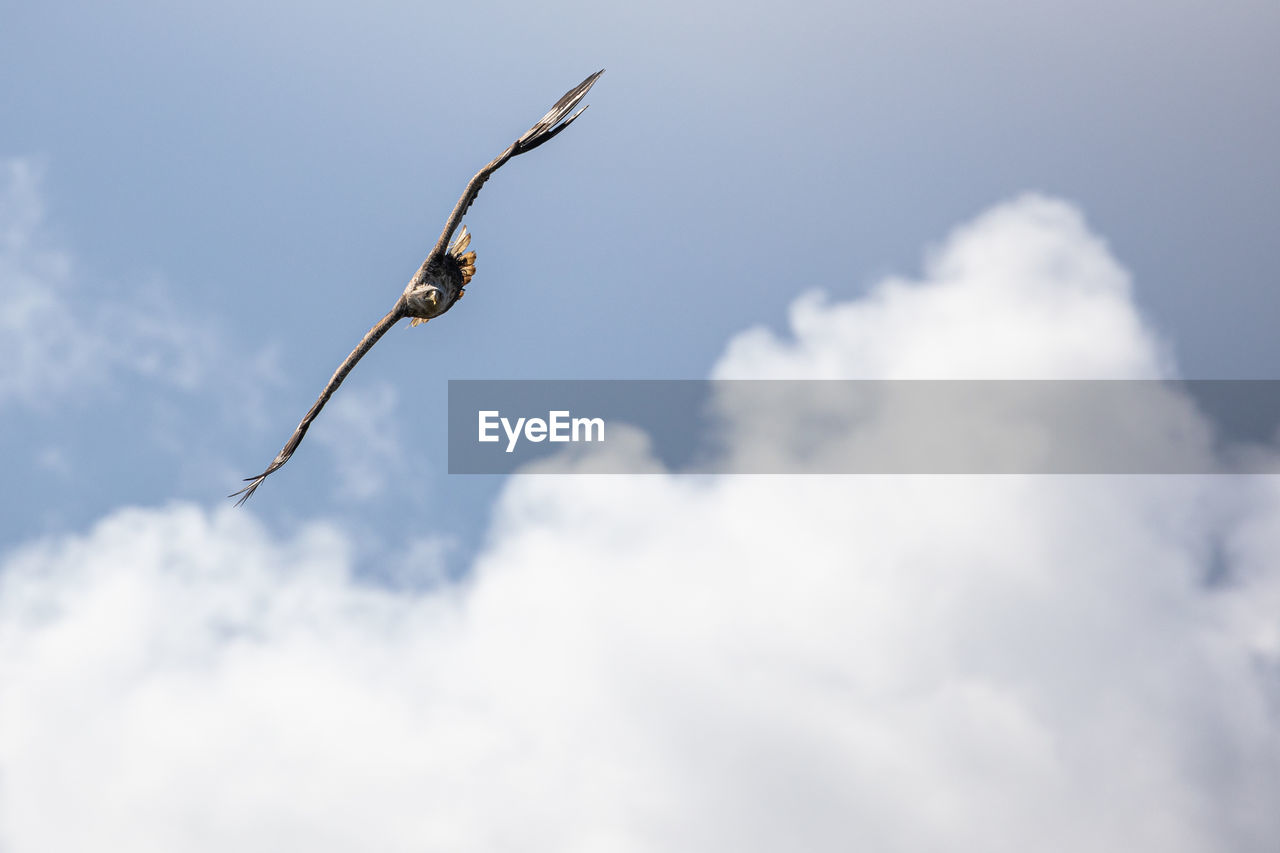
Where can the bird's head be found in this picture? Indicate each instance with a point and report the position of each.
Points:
(426, 299)
(433, 298)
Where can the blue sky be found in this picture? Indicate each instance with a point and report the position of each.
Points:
(275, 175)
(202, 210)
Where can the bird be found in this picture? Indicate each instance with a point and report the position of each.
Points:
(442, 278)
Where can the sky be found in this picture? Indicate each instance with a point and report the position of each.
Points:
(201, 212)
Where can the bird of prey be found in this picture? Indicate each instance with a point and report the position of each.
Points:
(440, 281)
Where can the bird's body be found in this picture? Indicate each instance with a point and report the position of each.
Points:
(440, 281)
(445, 275)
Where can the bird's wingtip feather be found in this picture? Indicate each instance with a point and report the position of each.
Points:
(555, 120)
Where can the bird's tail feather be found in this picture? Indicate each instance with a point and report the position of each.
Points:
(466, 260)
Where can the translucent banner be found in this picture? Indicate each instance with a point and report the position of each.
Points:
(863, 427)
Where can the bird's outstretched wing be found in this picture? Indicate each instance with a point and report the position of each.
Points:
(556, 120)
(380, 329)
(547, 127)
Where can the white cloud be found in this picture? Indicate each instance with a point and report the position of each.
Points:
(1024, 291)
(667, 664)
(62, 333)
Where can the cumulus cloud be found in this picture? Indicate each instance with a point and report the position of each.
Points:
(658, 663)
(1024, 291)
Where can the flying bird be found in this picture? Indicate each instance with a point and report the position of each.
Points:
(440, 282)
